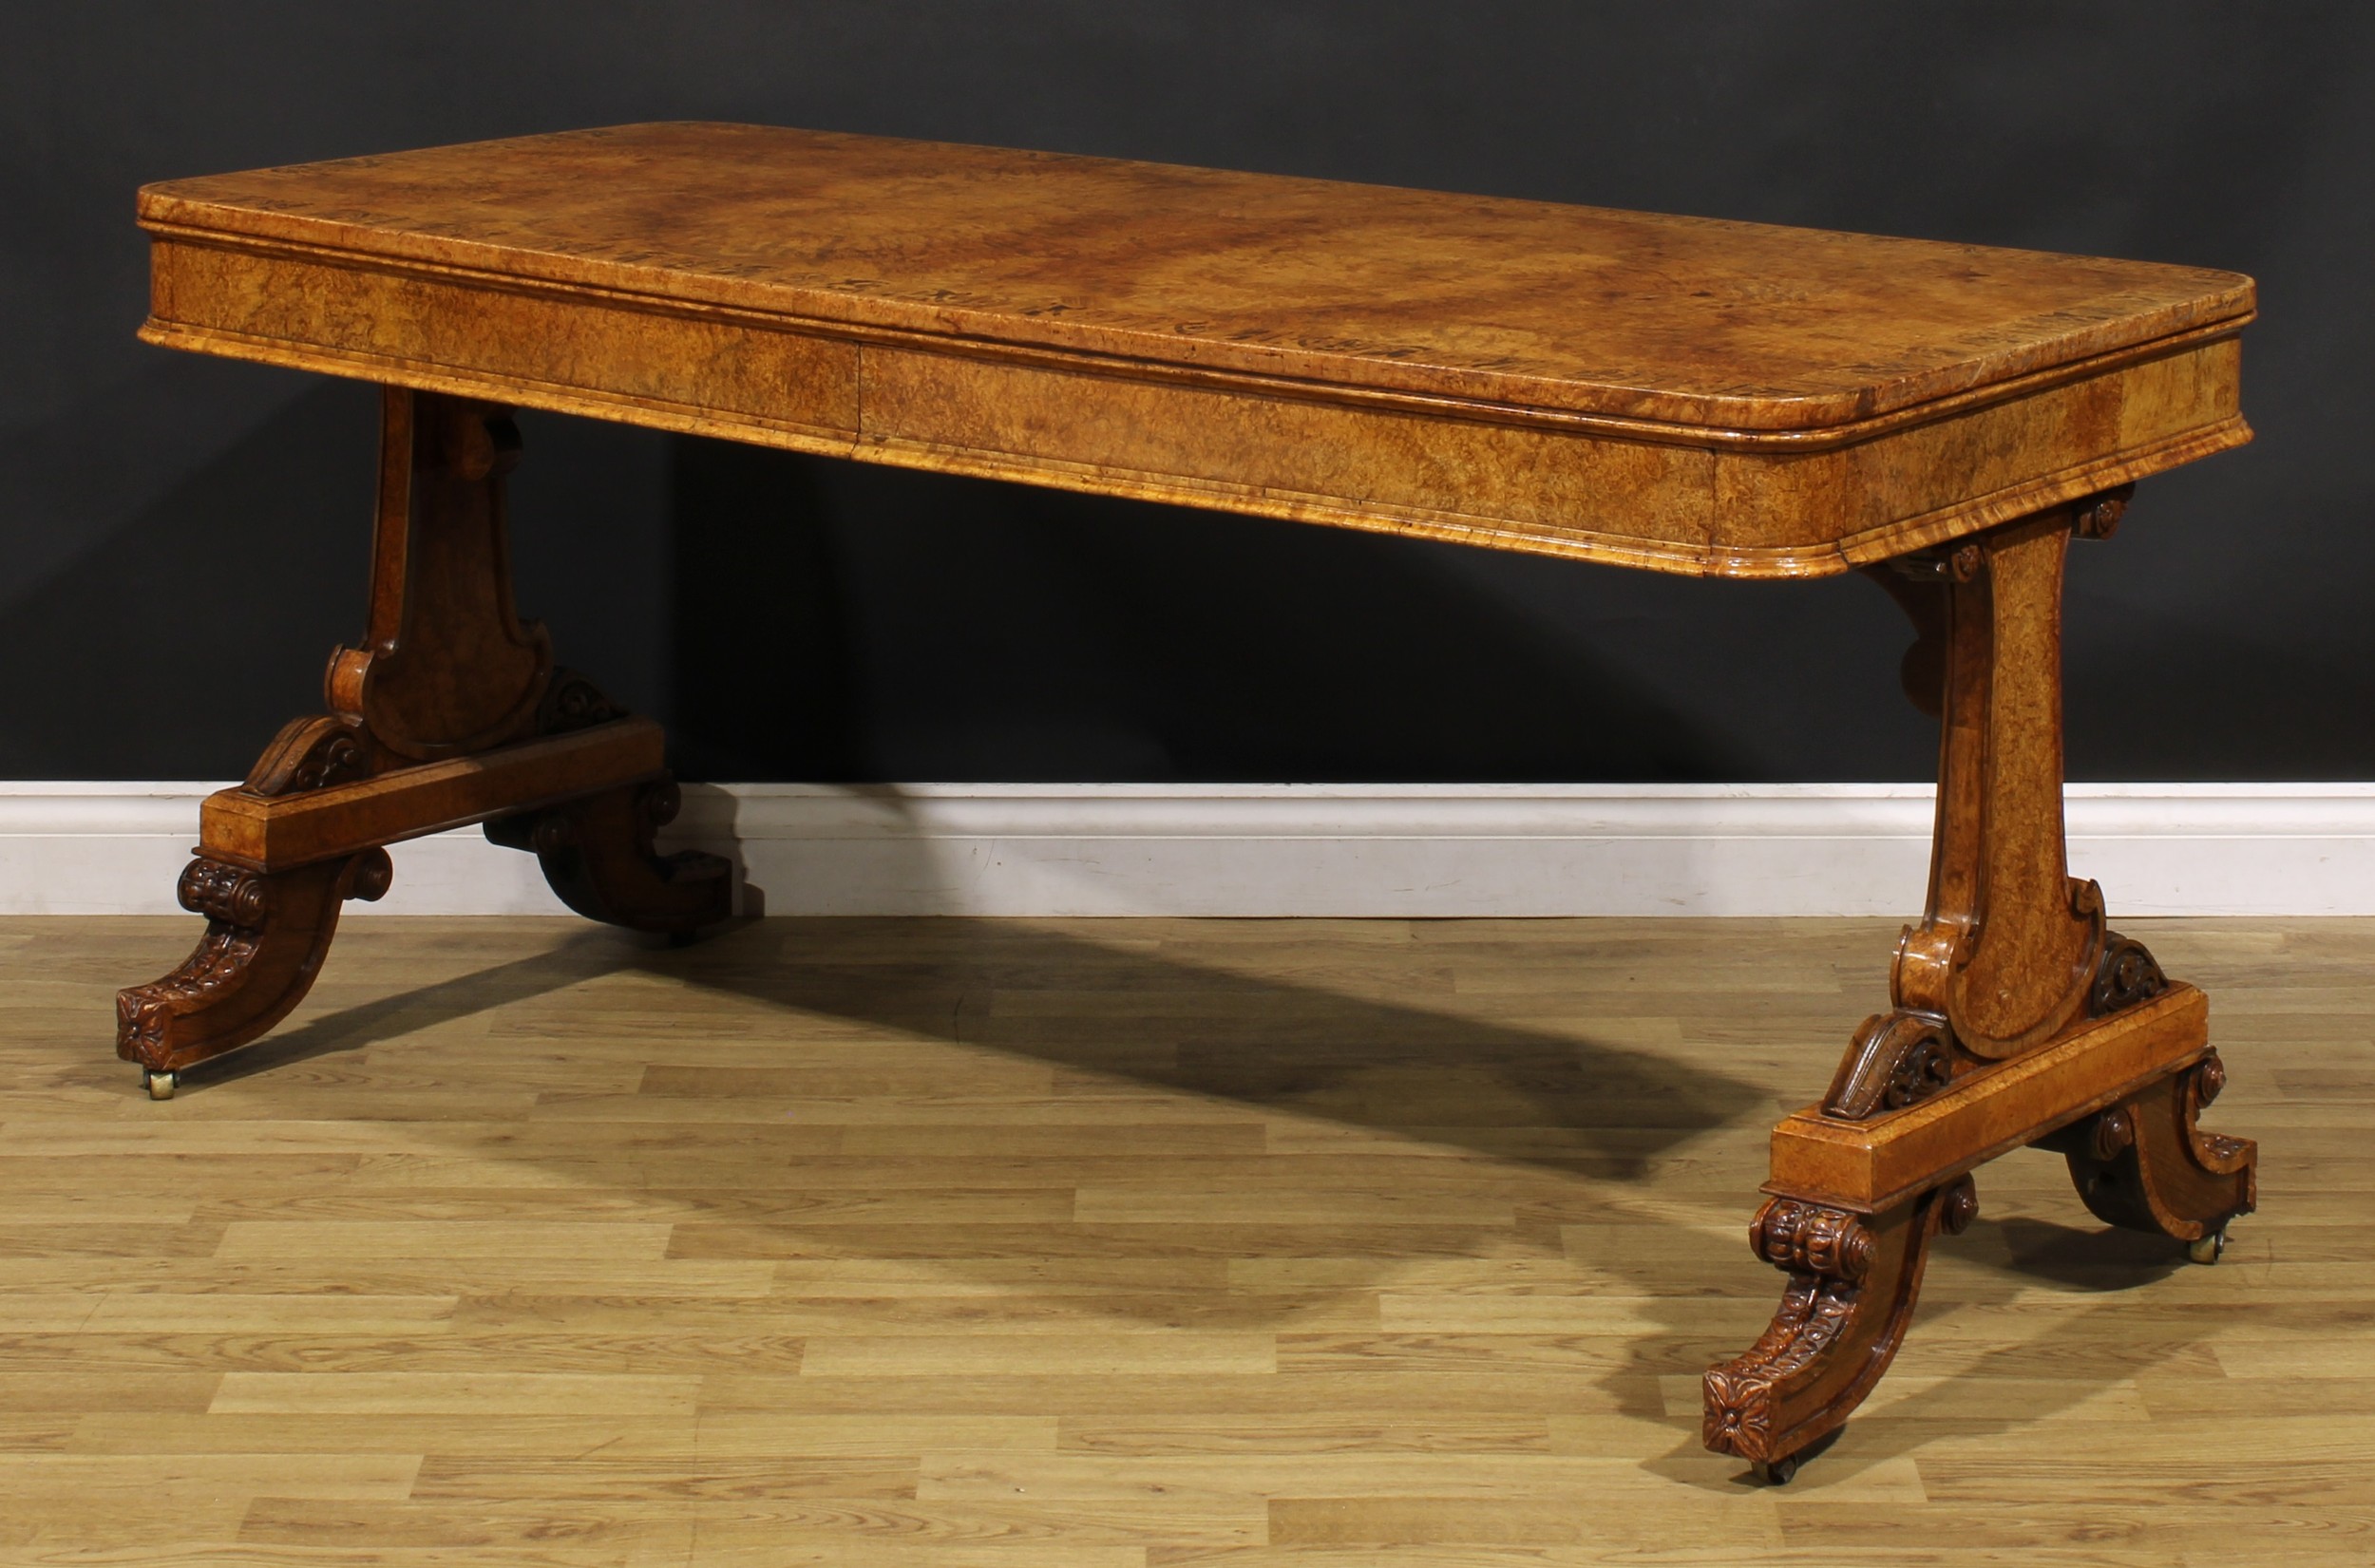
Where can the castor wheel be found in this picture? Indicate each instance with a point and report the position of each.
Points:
(2207, 1248)
(1779, 1472)
(161, 1084)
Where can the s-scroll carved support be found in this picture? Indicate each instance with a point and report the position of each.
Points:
(598, 854)
(1853, 1282)
(2145, 1165)
(1902, 1057)
(266, 936)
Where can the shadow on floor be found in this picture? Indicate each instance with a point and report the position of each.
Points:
(1399, 1067)
(1319, 1048)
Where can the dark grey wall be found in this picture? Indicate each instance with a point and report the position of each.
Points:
(182, 539)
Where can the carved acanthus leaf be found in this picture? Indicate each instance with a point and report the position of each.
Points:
(2125, 974)
(313, 753)
(571, 702)
(262, 944)
(1896, 1059)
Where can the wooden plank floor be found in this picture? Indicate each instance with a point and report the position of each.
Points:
(1102, 1244)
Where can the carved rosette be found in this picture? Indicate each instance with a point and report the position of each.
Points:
(2113, 1133)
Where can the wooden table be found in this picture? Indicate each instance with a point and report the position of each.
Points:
(1678, 394)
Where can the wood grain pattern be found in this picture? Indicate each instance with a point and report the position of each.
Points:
(1682, 393)
(1669, 392)
(273, 832)
(1877, 1165)
(446, 666)
(521, 1243)
(450, 711)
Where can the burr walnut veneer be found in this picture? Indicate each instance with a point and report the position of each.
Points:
(1679, 393)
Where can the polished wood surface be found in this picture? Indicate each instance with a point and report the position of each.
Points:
(1679, 393)
(451, 711)
(1682, 393)
(1113, 1245)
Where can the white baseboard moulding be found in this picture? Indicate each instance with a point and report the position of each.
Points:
(1415, 851)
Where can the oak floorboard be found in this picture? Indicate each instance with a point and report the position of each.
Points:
(1143, 1244)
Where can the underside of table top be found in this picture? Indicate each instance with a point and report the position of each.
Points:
(1684, 393)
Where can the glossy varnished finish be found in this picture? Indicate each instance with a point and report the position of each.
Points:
(1676, 393)
(450, 711)
(1113, 1244)
(1669, 392)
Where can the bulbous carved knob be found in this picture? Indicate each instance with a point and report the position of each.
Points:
(2114, 1130)
(2209, 1079)
(1809, 1238)
(1959, 1207)
(220, 892)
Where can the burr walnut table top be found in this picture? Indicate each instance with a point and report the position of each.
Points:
(1676, 393)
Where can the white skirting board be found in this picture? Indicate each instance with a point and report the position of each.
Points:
(1400, 850)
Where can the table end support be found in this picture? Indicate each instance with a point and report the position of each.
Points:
(2019, 1017)
(448, 711)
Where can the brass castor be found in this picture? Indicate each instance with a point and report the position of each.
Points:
(2207, 1248)
(161, 1084)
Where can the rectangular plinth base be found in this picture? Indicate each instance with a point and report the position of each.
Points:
(274, 833)
(1873, 1166)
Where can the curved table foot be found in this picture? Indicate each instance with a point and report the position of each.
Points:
(2144, 1164)
(266, 933)
(1853, 1279)
(598, 854)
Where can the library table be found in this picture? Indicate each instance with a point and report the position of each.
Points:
(1683, 394)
